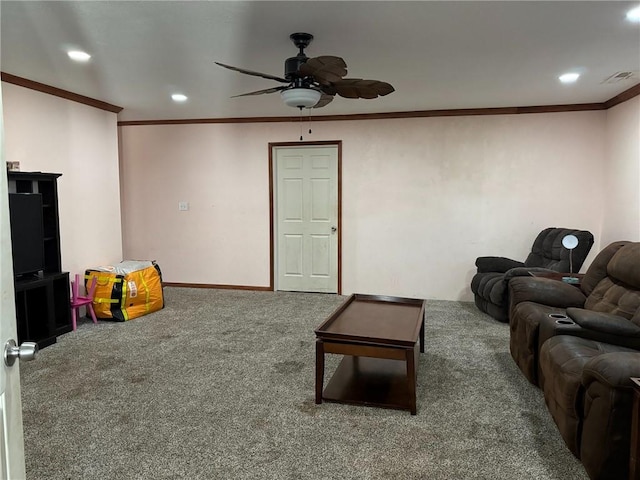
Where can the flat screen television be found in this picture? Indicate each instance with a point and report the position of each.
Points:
(27, 232)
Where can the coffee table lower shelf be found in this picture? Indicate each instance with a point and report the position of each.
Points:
(375, 382)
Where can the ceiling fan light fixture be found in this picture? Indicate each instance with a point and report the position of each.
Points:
(300, 97)
(314, 82)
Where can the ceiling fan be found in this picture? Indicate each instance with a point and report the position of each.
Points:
(313, 82)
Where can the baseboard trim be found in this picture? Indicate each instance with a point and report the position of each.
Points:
(217, 286)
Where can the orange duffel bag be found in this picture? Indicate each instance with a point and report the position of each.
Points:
(127, 290)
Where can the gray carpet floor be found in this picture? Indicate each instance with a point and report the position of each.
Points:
(220, 385)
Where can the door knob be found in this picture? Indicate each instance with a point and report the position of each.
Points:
(25, 352)
(334, 229)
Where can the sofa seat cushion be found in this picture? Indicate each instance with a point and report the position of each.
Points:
(562, 361)
(523, 338)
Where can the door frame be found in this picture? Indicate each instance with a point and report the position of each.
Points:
(11, 426)
(272, 204)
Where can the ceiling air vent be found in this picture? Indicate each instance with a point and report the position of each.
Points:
(619, 76)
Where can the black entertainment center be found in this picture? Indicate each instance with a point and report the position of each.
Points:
(41, 287)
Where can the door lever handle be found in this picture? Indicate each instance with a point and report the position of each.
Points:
(334, 229)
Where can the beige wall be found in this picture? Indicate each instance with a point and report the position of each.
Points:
(422, 198)
(621, 219)
(50, 134)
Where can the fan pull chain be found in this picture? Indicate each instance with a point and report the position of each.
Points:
(309, 120)
(300, 123)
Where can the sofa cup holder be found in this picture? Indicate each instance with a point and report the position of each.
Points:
(561, 319)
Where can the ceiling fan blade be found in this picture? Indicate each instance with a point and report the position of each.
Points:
(260, 92)
(328, 89)
(324, 100)
(383, 88)
(325, 69)
(255, 74)
(359, 88)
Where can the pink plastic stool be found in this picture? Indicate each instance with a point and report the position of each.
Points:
(78, 301)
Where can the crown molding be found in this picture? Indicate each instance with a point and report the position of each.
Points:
(379, 116)
(623, 97)
(580, 107)
(58, 92)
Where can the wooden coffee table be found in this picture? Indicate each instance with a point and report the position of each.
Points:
(378, 337)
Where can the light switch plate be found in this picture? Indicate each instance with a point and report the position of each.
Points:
(183, 206)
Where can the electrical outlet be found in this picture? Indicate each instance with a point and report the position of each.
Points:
(183, 206)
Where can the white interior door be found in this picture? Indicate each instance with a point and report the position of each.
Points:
(306, 212)
(11, 437)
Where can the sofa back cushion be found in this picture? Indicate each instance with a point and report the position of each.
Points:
(598, 268)
(625, 265)
(547, 250)
(619, 291)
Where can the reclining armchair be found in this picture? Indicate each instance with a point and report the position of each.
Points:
(586, 354)
(490, 284)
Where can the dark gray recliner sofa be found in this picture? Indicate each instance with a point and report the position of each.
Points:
(534, 299)
(582, 346)
(490, 284)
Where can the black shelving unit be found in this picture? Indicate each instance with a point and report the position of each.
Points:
(43, 300)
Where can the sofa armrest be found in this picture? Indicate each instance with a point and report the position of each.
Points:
(614, 369)
(496, 264)
(607, 408)
(604, 322)
(596, 326)
(524, 272)
(545, 291)
(556, 325)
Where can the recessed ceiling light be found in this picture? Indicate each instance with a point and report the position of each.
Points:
(634, 14)
(178, 97)
(78, 55)
(569, 77)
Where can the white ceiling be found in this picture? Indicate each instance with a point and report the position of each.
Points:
(437, 55)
